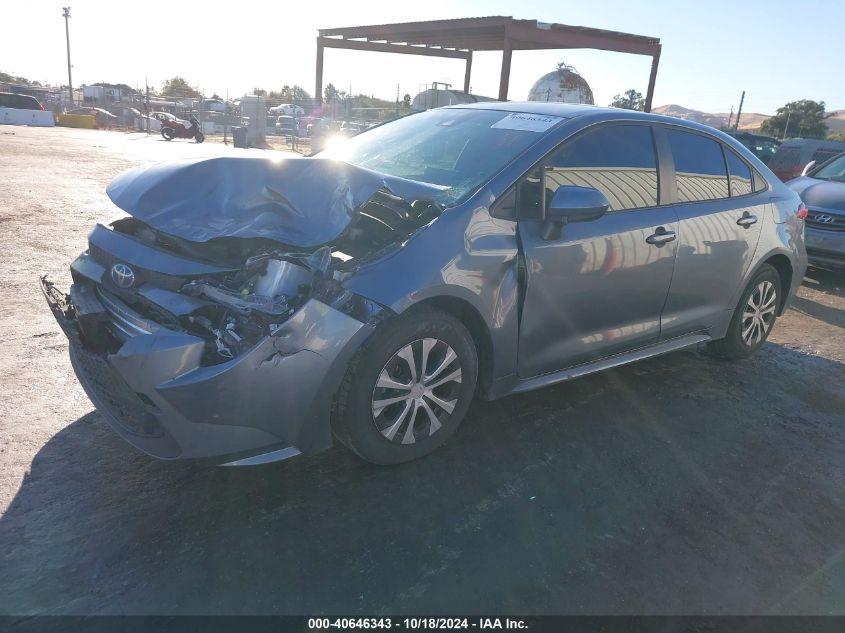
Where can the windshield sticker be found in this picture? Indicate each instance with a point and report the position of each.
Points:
(527, 122)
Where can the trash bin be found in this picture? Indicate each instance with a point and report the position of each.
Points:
(239, 136)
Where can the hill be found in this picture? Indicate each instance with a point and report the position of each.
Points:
(750, 121)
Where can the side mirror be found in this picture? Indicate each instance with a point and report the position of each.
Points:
(808, 168)
(573, 204)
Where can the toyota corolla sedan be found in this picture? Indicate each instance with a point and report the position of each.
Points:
(252, 309)
(823, 191)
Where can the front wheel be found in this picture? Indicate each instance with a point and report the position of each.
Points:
(200, 137)
(168, 133)
(753, 318)
(408, 388)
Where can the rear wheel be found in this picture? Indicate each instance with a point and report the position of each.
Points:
(168, 133)
(200, 137)
(408, 388)
(753, 318)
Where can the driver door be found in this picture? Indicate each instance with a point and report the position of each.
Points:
(599, 288)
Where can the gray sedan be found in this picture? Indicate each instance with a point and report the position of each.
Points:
(252, 309)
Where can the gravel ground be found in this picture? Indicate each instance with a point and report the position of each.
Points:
(676, 485)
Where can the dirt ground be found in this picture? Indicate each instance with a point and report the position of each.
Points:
(676, 485)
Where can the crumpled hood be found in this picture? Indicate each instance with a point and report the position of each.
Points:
(301, 202)
(817, 193)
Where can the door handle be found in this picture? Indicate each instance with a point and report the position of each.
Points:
(660, 236)
(747, 220)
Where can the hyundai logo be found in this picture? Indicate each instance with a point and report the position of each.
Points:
(122, 276)
(823, 218)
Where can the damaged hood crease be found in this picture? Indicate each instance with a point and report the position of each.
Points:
(300, 202)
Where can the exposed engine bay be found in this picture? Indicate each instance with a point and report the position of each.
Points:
(236, 274)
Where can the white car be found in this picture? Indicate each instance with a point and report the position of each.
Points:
(288, 109)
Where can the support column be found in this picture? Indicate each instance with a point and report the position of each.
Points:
(504, 78)
(318, 82)
(468, 72)
(655, 59)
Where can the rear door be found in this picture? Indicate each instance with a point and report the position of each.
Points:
(719, 217)
(598, 289)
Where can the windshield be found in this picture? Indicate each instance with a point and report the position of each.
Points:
(457, 149)
(834, 170)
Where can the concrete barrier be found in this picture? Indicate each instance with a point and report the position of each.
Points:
(88, 121)
(15, 116)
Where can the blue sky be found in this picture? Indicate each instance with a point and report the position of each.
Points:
(777, 51)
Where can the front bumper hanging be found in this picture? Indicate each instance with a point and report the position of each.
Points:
(154, 391)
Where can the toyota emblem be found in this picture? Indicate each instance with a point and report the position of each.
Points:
(823, 218)
(122, 276)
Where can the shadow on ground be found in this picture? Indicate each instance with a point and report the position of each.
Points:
(675, 485)
(829, 282)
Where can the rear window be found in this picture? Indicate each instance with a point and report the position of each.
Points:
(21, 102)
(785, 157)
(699, 167)
(824, 155)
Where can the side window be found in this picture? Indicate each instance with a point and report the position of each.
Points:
(618, 160)
(760, 183)
(699, 166)
(739, 173)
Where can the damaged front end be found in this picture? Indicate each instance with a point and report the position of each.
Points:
(204, 334)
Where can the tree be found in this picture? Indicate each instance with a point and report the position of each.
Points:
(259, 92)
(406, 101)
(16, 79)
(330, 93)
(178, 87)
(804, 119)
(299, 94)
(629, 100)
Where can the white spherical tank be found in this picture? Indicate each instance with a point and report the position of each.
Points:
(563, 85)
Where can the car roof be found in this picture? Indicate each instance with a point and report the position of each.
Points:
(550, 108)
(595, 113)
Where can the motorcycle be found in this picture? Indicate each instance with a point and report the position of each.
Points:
(177, 129)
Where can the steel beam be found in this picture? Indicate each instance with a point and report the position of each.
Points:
(652, 78)
(318, 82)
(379, 47)
(468, 72)
(504, 77)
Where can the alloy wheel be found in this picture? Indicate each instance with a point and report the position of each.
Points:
(759, 313)
(416, 391)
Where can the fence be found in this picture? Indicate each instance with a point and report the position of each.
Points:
(298, 124)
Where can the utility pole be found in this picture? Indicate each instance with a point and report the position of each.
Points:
(730, 118)
(786, 126)
(66, 15)
(739, 112)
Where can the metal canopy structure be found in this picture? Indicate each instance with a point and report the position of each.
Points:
(457, 39)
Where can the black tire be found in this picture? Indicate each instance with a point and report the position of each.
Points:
(167, 133)
(734, 345)
(200, 137)
(368, 435)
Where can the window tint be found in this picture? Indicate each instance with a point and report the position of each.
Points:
(618, 160)
(760, 183)
(739, 174)
(699, 167)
